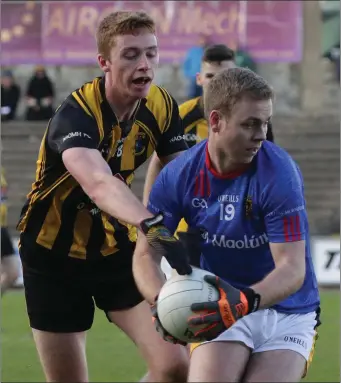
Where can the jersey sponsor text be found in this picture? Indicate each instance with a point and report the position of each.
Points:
(222, 240)
(75, 134)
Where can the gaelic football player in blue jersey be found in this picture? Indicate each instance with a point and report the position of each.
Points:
(247, 196)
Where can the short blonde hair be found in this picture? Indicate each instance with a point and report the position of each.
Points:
(231, 85)
(120, 23)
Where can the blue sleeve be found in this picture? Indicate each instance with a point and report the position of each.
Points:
(284, 208)
(187, 64)
(163, 199)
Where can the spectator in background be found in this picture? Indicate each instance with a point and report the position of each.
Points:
(334, 56)
(10, 94)
(39, 95)
(244, 60)
(192, 66)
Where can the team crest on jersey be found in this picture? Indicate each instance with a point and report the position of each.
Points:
(139, 143)
(248, 207)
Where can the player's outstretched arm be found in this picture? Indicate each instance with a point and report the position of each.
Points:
(150, 279)
(109, 193)
(74, 135)
(154, 168)
(147, 262)
(163, 200)
(113, 196)
(147, 270)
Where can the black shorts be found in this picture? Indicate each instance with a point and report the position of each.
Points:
(6, 243)
(61, 293)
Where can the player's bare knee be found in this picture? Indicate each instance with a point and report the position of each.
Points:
(10, 270)
(12, 276)
(62, 356)
(174, 370)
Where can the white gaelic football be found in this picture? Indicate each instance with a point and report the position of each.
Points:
(175, 300)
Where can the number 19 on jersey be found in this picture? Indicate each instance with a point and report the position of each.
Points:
(227, 212)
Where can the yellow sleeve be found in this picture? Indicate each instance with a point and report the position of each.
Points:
(3, 179)
(3, 215)
(172, 272)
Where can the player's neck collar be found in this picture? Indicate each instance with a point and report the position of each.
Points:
(215, 173)
(107, 106)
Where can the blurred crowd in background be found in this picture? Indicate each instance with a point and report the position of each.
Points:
(39, 94)
(38, 97)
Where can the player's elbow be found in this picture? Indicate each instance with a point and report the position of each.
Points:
(297, 272)
(300, 279)
(297, 283)
(290, 259)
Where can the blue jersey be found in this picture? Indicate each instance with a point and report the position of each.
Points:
(240, 215)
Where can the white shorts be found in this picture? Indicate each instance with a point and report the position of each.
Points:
(267, 330)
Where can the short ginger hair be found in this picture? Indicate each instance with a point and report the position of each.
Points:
(120, 23)
(231, 85)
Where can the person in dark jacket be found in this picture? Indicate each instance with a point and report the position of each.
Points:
(40, 95)
(10, 95)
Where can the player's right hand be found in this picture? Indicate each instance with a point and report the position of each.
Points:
(220, 315)
(161, 239)
(160, 329)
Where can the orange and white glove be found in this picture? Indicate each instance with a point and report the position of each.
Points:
(220, 315)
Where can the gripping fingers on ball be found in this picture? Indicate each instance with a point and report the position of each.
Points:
(170, 339)
(212, 280)
(164, 334)
(176, 341)
(206, 318)
(204, 306)
(153, 309)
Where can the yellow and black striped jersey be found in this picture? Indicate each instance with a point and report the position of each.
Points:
(196, 130)
(3, 206)
(58, 214)
(195, 124)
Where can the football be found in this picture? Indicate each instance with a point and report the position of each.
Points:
(175, 300)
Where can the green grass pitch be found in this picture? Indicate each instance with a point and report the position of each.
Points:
(113, 358)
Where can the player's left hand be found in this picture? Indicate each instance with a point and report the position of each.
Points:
(166, 245)
(222, 314)
(160, 329)
(192, 240)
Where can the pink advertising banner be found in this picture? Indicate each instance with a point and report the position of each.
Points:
(55, 32)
